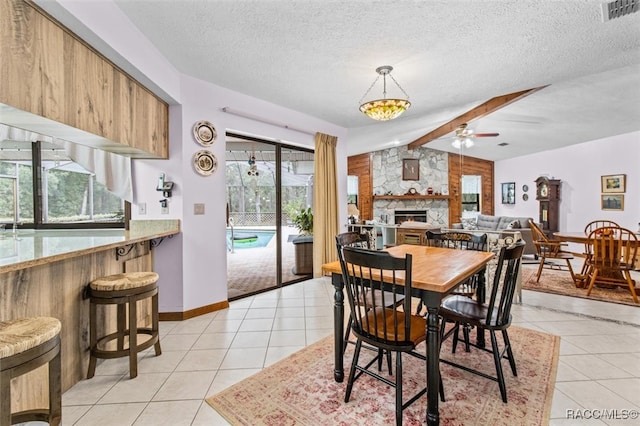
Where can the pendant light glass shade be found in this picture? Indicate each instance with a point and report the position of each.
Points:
(384, 109)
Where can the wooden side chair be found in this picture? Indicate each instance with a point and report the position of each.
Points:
(591, 226)
(493, 316)
(612, 257)
(547, 249)
(378, 325)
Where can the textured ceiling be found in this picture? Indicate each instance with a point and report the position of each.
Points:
(319, 57)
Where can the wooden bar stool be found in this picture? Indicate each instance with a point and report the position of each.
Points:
(122, 290)
(26, 344)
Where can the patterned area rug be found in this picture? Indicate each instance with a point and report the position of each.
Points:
(300, 390)
(560, 282)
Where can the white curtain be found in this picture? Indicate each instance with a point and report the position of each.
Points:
(111, 170)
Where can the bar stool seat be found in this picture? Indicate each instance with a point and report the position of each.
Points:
(123, 290)
(26, 344)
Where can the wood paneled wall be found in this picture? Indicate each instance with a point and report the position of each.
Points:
(360, 165)
(48, 71)
(463, 165)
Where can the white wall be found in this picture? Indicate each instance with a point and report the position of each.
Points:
(579, 167)
(192, 265)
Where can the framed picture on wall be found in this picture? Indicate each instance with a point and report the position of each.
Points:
(612, 202)
(411, 169)
(509, 193)
(613, 184)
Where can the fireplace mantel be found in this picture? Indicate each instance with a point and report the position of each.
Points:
(411, 197)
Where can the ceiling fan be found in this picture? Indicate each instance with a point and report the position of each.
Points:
(464, 136)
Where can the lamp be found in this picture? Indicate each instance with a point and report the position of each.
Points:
(353, 212)
(384, 109)
(462, 143)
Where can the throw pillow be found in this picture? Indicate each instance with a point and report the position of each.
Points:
(469, 224)
(514, 224)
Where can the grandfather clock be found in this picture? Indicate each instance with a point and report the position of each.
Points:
(548, 195)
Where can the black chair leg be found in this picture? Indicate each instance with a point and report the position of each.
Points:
(456, 330)
(512, 360)
(352, 371)
(347, 333)
(497, 360)
(398, 389)
(465, 333)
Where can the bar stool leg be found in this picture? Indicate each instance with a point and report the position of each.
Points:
(155, 319)
(93, 339)
(55, 390)
(133, 338)
(5, 398)
(122, 325)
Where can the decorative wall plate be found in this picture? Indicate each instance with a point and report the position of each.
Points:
(205, 133)
(205, 162)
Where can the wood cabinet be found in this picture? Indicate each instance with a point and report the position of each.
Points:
(51, 73)
(411, 236)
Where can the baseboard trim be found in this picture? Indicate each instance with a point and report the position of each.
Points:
(192, 313)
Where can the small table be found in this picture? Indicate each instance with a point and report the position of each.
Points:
(436, 272)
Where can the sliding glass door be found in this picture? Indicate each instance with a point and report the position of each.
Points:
(267, 183)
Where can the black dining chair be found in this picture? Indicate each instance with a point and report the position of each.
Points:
(460, 241)
(493, 316)
(374, 281)
(361, 240)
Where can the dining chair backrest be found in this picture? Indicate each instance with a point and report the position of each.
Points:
(613, 248)
(457, 240)
(499, 306)
(591, 226)
(375, 280)
(350, 239)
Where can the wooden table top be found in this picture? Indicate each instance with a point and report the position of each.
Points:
(434, 269)
(575, 237)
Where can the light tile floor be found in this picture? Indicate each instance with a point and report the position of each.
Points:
(599, 358)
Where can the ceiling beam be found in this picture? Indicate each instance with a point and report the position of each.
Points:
(486, 108)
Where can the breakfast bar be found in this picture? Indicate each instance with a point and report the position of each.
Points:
(45, 273)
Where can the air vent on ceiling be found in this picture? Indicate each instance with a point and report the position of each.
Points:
(618, 8)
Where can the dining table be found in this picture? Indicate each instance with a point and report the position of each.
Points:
(436, 272)
(582, 238)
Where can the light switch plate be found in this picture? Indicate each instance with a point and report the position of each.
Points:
(198, 208)
(142, 208)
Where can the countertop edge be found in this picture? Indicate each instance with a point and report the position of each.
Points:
(68, 255)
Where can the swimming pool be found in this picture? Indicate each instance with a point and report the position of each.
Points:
(250, 238)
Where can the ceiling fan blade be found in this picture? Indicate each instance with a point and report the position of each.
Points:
(485, 135)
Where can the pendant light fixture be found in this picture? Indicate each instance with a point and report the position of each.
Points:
(384, 109)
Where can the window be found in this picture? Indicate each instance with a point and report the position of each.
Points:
(68, 195)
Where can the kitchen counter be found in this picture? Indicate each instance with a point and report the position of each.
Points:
(28, 248)
(46, 272)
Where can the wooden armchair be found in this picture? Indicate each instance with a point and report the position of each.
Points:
(547, 249)
(612, 256)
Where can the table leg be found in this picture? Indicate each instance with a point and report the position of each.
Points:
(338, 326)
(433, 365)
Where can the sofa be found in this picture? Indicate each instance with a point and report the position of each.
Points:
(501, 223)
